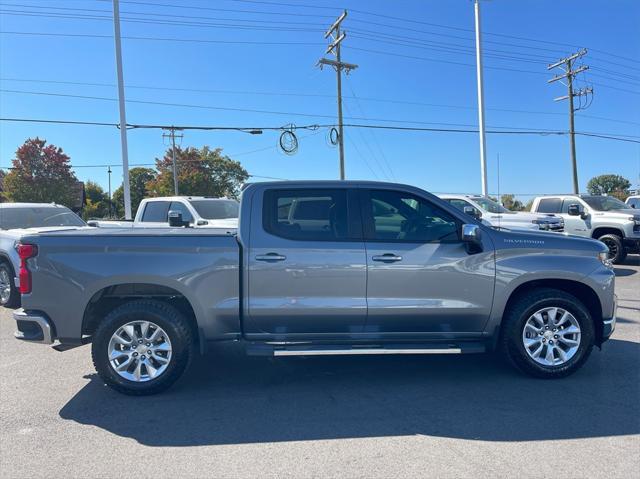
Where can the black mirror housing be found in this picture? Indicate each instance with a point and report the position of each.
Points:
(471, 211)
(175, 219)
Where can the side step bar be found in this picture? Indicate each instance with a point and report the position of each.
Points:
(341, 352)
(293, 349)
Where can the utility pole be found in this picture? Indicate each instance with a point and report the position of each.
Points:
(109, 173)
(483, 142)
(567, 66)
(123, 117)
(337, 36)
(172, 135)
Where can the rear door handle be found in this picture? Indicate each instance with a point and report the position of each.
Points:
(270, 257)
(387, 258)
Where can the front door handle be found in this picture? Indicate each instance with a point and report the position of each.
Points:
(270, 257)
(387, 258)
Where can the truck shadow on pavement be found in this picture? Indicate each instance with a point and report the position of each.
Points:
(228, 398)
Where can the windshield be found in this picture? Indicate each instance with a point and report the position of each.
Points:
(37, 217)
(490, 205)
(605, 203)
(216, 209)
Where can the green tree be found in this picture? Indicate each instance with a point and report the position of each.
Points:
(97, 201)
(529, 205)
(614, 185)
(41, 174)
(511, 203)
(138, 179)
(201, 172)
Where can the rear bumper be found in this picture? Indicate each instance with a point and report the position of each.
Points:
(609, 325)
(33, 327)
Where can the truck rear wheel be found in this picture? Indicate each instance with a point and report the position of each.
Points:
(547, 333)
(142, 347)
(9, 294)
(617, 253)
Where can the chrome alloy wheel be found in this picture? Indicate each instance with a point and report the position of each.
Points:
(5, 286)
(139, 351)
(551, 336)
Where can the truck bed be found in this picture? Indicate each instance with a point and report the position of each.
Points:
(74, 268)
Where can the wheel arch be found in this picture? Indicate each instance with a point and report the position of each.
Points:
(581, 291)
(112, 296)
(607, 230)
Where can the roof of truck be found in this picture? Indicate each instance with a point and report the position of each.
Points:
(31, 205)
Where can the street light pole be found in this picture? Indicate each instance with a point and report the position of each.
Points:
(483, 143)
(123, 117)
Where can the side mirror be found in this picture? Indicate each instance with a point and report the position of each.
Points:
(175, 219)
(92, 223)
(471, 211)
(575, 210)
(633, 205)
(471, 236)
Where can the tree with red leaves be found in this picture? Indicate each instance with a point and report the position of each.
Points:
(41, 174)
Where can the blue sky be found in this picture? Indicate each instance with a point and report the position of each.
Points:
(274, 71)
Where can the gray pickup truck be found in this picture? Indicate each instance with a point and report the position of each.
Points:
(317, 268)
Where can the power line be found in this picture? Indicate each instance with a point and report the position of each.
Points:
(162, 39)
(541, 132)
(310, 95)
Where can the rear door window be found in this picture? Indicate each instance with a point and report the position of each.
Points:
(156, 212)
(549, 205)
(311, 215)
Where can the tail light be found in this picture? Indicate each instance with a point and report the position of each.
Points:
(25, 251)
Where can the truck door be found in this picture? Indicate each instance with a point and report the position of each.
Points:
(575, 225)
(306, 264)
(421, 279)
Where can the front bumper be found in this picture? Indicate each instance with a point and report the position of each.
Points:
(609, 325)
(33, 327)
(632, 244)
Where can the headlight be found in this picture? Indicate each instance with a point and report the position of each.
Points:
(604, 259)
(542, 224)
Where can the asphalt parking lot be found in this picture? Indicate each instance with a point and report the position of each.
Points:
(237, 416)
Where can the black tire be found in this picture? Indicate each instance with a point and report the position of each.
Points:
(511, 344)
(14, 297)
(617, 252)
(165, 316)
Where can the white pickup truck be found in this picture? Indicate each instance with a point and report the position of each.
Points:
(494, 214)
(196, 211)
(604, 218)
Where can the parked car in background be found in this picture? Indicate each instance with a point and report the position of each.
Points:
(16, 220)
(496, 215)
(196, 211)
(605, 218)
(633, 202)
(318, 268)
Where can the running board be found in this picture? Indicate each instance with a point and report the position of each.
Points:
(265, 349)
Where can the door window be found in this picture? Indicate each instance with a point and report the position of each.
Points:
(399, 216)
(182, 208)
(311, 215)
(549, 205)
(156, 212)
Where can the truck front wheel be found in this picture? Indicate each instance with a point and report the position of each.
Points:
(142, 347)
(617, 253)
(547, 333)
